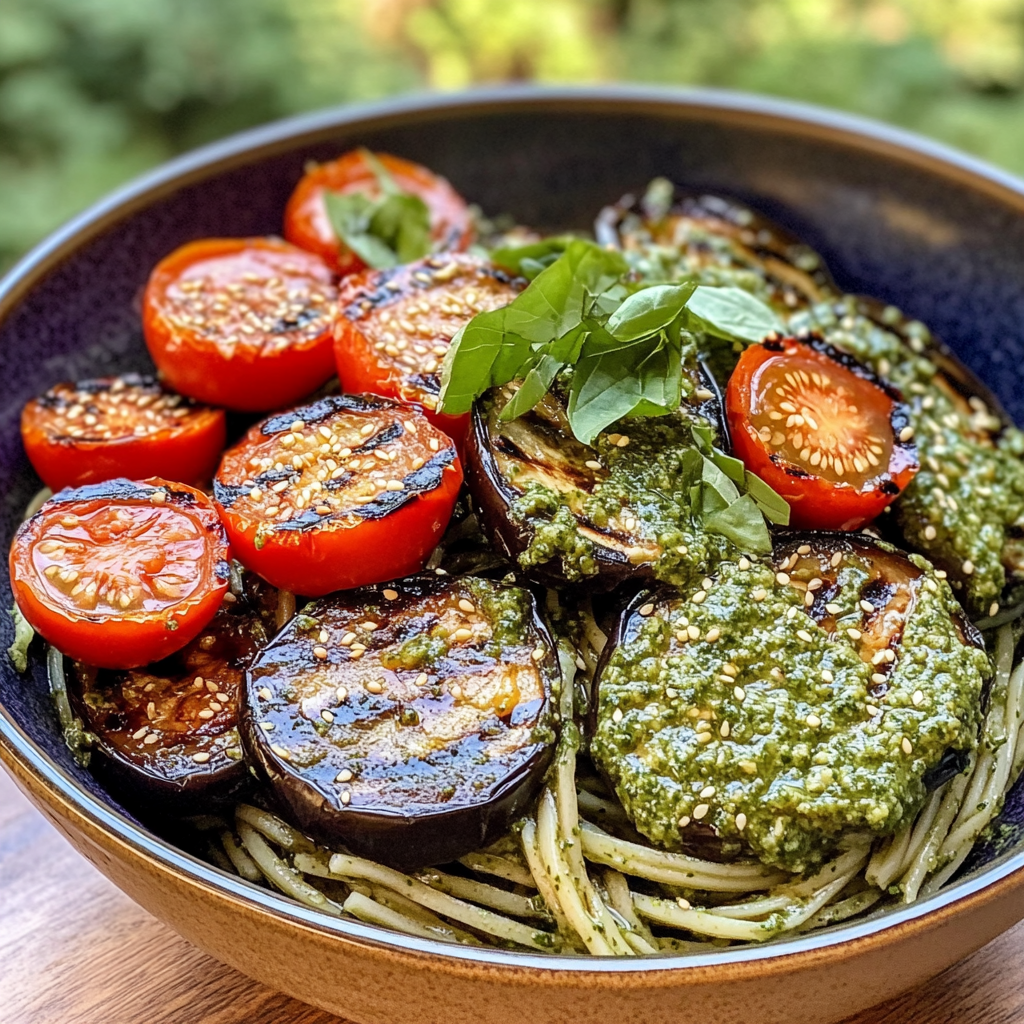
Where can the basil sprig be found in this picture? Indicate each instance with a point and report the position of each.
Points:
(623, 341)
(394, 228)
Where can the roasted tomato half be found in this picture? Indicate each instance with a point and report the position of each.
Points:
(307, 225)
(168, 732)
(394, 327)
(241, 322)
(412, 721)
(122, 573)
(349, 490)
(831, 437)
(128, 426)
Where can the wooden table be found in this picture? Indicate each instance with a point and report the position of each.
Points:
(74, 950)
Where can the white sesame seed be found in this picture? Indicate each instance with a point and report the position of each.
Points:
(346, 798)
(741, 821)
(320, 652)
(760, 594)
(930, 532)
(698, 597)
(693, 632)
(707, 792)
(646, 609)
(804, 635)
(813, 721)
(265, 693)
(826, 676)
(725, 730)
(327, 716)
(918, 698)
(341, 693)
(906, 433)
(713, 634)
(853, 634)
(867, 606)
(739, 693)
(202, 757)
(592, 464)
(700, 811)
(684, 821)
(782, 578)
(617, 715)
(467, 606)
(682, 903)
(968, 567)
(462, 634)
(908, 747)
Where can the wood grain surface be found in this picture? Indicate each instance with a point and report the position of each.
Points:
(74, 950)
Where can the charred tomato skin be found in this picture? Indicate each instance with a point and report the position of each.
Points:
(394, 327)
(458, 807)
(820, 498)
(314, 549)
(185, 447)
(258, 347)
(307, 225)
(105, 551)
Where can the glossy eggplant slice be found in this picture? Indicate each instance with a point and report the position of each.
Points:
(568, 512)
(410, 721)
(789, 704)
(965, 508)
(675, 233)
(167, 733)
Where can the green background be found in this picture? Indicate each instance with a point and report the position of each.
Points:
(95, 91)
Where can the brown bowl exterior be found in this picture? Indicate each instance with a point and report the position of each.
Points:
(371, 975)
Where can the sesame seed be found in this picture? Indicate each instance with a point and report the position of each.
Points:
(833, 609)
(826, 676)
(684, 821)
(743, 563)
(725, 730)
(836, 560)
(375, 686)
(968, 567)
(683, 903)
(930, 533)
(346, 798)
(906, 433)
(804, 635)
(467, 606)
(206, 713)
(707, 792)
(877, 678)
(347, 639)
(698, 597)
(341, 693)
(872, 710)
(593, 464)
(854, 634)
(741, 821)
(151, 739)
(700, 811)
(267, 726)
(739, 693)
(390, 595)
(265, 693)
(908, 747)
(617, 715)
(693, 632)
(202, 757)
(918, 698)
(462, 634)
(781, 578)
(760, 594)
(813, 721)
(140, 733)
(729, 669)
(713, 634)
(320, 652)
(646, 609)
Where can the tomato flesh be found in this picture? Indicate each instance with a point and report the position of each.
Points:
(122, 573)
(350, 490)
(128, 426)
(394, 327)
(307, 225)
(241, 322)
(831, 438)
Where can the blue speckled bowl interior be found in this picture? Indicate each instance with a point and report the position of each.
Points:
(914, 224)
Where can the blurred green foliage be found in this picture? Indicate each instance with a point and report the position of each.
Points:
(94, 91)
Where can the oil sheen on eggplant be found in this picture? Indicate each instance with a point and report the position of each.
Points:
(783, 706)
(411, 721)
(569, 512)
(168, 732)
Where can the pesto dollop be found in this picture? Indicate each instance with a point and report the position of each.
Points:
(734, 707)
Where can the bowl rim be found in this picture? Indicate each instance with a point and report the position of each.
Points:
(781, 116)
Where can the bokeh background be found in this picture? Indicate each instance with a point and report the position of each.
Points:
(93, 92)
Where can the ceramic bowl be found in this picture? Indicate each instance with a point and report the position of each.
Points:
(928, 229)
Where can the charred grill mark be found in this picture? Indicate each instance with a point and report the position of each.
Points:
(370, 299)
(391, 432)
(121, 489)
(228, 494)
(317, 412)
(879, 593)
(301, 319)
(429, 382)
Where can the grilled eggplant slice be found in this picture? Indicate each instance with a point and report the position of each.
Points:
(790, 705)
(567, 512)
(410, 721)
(672, 233)
(167, 733)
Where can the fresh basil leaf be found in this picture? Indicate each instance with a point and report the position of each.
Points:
(604, 388)
(742, 523)
(350, 216)
(402, 222)
(774, 507)
(733, 313)
(523, 259)
(534, 387)
(733, 468)
(482, 354)
(609, 300)
(719, 491)
(648, 311)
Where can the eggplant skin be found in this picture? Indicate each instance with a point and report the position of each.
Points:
(375, 726)
(114, 706)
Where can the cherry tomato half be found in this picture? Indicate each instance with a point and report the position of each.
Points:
(394, 327)
(307, 225)
(821, 429)
(122, 573)
(349, 490)
(241, 322)
(129, 426)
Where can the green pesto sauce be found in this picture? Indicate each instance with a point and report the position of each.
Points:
(801, 786)
(506, 608)
(968, 493)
